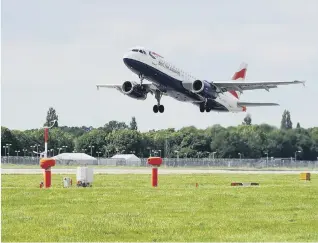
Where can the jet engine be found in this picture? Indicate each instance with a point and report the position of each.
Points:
(134, 90)
(204, 89)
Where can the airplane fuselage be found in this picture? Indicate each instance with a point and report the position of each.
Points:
(173, 81)
(169, 80)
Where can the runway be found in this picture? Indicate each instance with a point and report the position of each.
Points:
(161, 171)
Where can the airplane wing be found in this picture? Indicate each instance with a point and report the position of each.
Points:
(251, 85)
(255, 104)
(114, 86)
(149, 87)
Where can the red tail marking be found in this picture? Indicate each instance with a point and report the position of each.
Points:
(239, 74)
(234, 93)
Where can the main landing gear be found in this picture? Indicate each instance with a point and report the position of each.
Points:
(158, 107)
(158, 95)
(204, 107)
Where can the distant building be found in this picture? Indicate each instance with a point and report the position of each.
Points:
(75, 159)
(128, 159)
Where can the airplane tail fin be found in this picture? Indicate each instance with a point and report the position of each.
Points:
(239, 75)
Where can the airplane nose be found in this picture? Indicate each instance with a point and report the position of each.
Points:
(129, 59)
(126, 61)
(129, 62)
(127, 55)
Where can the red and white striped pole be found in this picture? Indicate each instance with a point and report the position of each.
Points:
(46, 138)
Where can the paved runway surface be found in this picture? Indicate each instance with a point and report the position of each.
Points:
(161, 171)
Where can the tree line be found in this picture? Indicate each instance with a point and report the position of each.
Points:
(246, 140)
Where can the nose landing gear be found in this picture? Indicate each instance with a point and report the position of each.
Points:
(141, 77)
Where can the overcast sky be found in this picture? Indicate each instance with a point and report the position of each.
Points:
(55, 51)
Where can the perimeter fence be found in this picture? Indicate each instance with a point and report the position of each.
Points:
(288, 163)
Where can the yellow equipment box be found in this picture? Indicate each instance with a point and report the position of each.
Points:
(305, 176)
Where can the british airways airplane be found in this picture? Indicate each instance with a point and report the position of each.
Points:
(167, 79)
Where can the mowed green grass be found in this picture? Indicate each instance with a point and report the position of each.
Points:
(127, 208)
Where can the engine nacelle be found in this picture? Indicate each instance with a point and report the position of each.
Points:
(204, 89)
(134, 90)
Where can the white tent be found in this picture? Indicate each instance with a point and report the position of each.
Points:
(130, 159)
(75, 159)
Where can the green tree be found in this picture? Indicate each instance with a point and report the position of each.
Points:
(133, 124)
(50, 117)
(289, 123)
(313, 133)
(96, 138)
(124, 141)
(57, 139)
(298, 125)
(7, 137)
(114, 125)
(253, 141)
(76, 131)
(286, 122)
(283, 121)
(23, 141)
(196, 142)
(247, 120)
(221, 144)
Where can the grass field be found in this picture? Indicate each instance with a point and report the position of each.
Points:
(127, 208)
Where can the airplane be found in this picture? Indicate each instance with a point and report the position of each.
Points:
(168, 80)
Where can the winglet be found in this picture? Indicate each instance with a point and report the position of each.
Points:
(303, 82)
(300, 82)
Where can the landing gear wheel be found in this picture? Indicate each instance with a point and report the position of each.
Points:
(161, 108)
(155, 109)
(202, 107)
(207, 109)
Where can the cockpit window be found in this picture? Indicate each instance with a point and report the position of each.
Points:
(139, 50)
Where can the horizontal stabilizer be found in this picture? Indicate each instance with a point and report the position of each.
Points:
(240, 86)
(255, 104)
